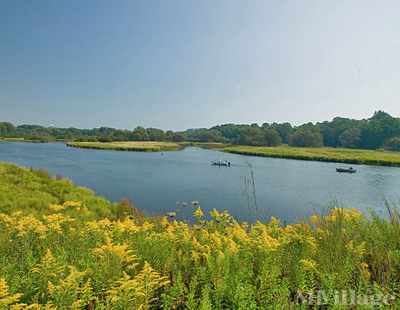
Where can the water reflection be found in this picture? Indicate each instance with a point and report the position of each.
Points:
(284, 188)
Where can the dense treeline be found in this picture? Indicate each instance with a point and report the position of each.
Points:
(379, 131)
(103, 134)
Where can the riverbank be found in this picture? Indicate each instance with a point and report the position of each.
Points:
(327, 154)
(67, 254)
(142, 146)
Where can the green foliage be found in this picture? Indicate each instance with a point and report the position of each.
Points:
(33, 191)
(209, 136)
(143, 146)
(139, 134)
(7, 130)
(64, 256)
(306, 138)
(379, 131)
(271, 137)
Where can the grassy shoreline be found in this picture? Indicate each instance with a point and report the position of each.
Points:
(140, 146)
(338, 155)
(63, 248)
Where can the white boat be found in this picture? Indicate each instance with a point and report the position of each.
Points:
(221, 163)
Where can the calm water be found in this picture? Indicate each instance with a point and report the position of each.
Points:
(156, 181)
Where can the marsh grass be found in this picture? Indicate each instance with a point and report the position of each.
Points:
(205, 145)
(65, 256)
(142, 146)
(339, 155)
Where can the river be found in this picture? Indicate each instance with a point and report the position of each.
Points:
(283, 188)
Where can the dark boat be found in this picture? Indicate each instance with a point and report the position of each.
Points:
(351, 170)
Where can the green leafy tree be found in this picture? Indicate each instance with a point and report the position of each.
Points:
(121, 135)
(350, 138)
(139, 134)
(105, 138)
(284, 130)
(210, 136)
(306, 138)
(8, 130)
(379, 130)
(156, 134)
(229, 131)
(271, 137)
(250, 135)
(178, 137)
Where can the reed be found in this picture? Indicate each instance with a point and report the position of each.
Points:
(326, 154)
(140, 146)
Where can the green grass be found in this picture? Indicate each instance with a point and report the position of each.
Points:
(14, 139)
(204, 145)
(143, 146)
(58, 250)
(339, 155)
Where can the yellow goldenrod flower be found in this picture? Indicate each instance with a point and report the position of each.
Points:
(198, 213)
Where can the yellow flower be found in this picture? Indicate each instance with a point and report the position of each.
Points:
(5, 299)
(314, 219)
(198, 213)
(71, 204)
(55, 207)
(364, 267)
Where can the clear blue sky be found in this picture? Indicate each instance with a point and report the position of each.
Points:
(186, 64)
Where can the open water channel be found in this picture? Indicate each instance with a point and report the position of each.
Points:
(284, 188)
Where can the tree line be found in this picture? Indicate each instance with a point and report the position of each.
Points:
(379, 131)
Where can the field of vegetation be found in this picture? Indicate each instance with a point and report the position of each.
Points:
(63, 248)
(340, 155)
(146, 146)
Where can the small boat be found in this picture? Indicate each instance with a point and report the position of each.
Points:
(340, 169)
(221, 163)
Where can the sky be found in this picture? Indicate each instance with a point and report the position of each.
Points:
(178, 64)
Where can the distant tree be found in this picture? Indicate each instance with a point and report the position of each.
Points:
(395, 144)
(266, 126)
(106, 130)
(229, 131)
(379, 130)
(284, 130)
(139, 134)
(121, 135)
(271, 137)
(250, 135)
(350, 138)
(8, 130)
(331, 131)
(210, 136)
(105, 138)
(156, 134)
(178, 137)
(193, 132)
(306, 138)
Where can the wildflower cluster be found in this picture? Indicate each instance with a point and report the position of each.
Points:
(63, 261)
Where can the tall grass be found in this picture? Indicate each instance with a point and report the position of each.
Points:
(339, 155)
(63, 257)
(140, 146)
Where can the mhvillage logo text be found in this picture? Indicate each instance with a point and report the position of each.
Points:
(343, 298)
